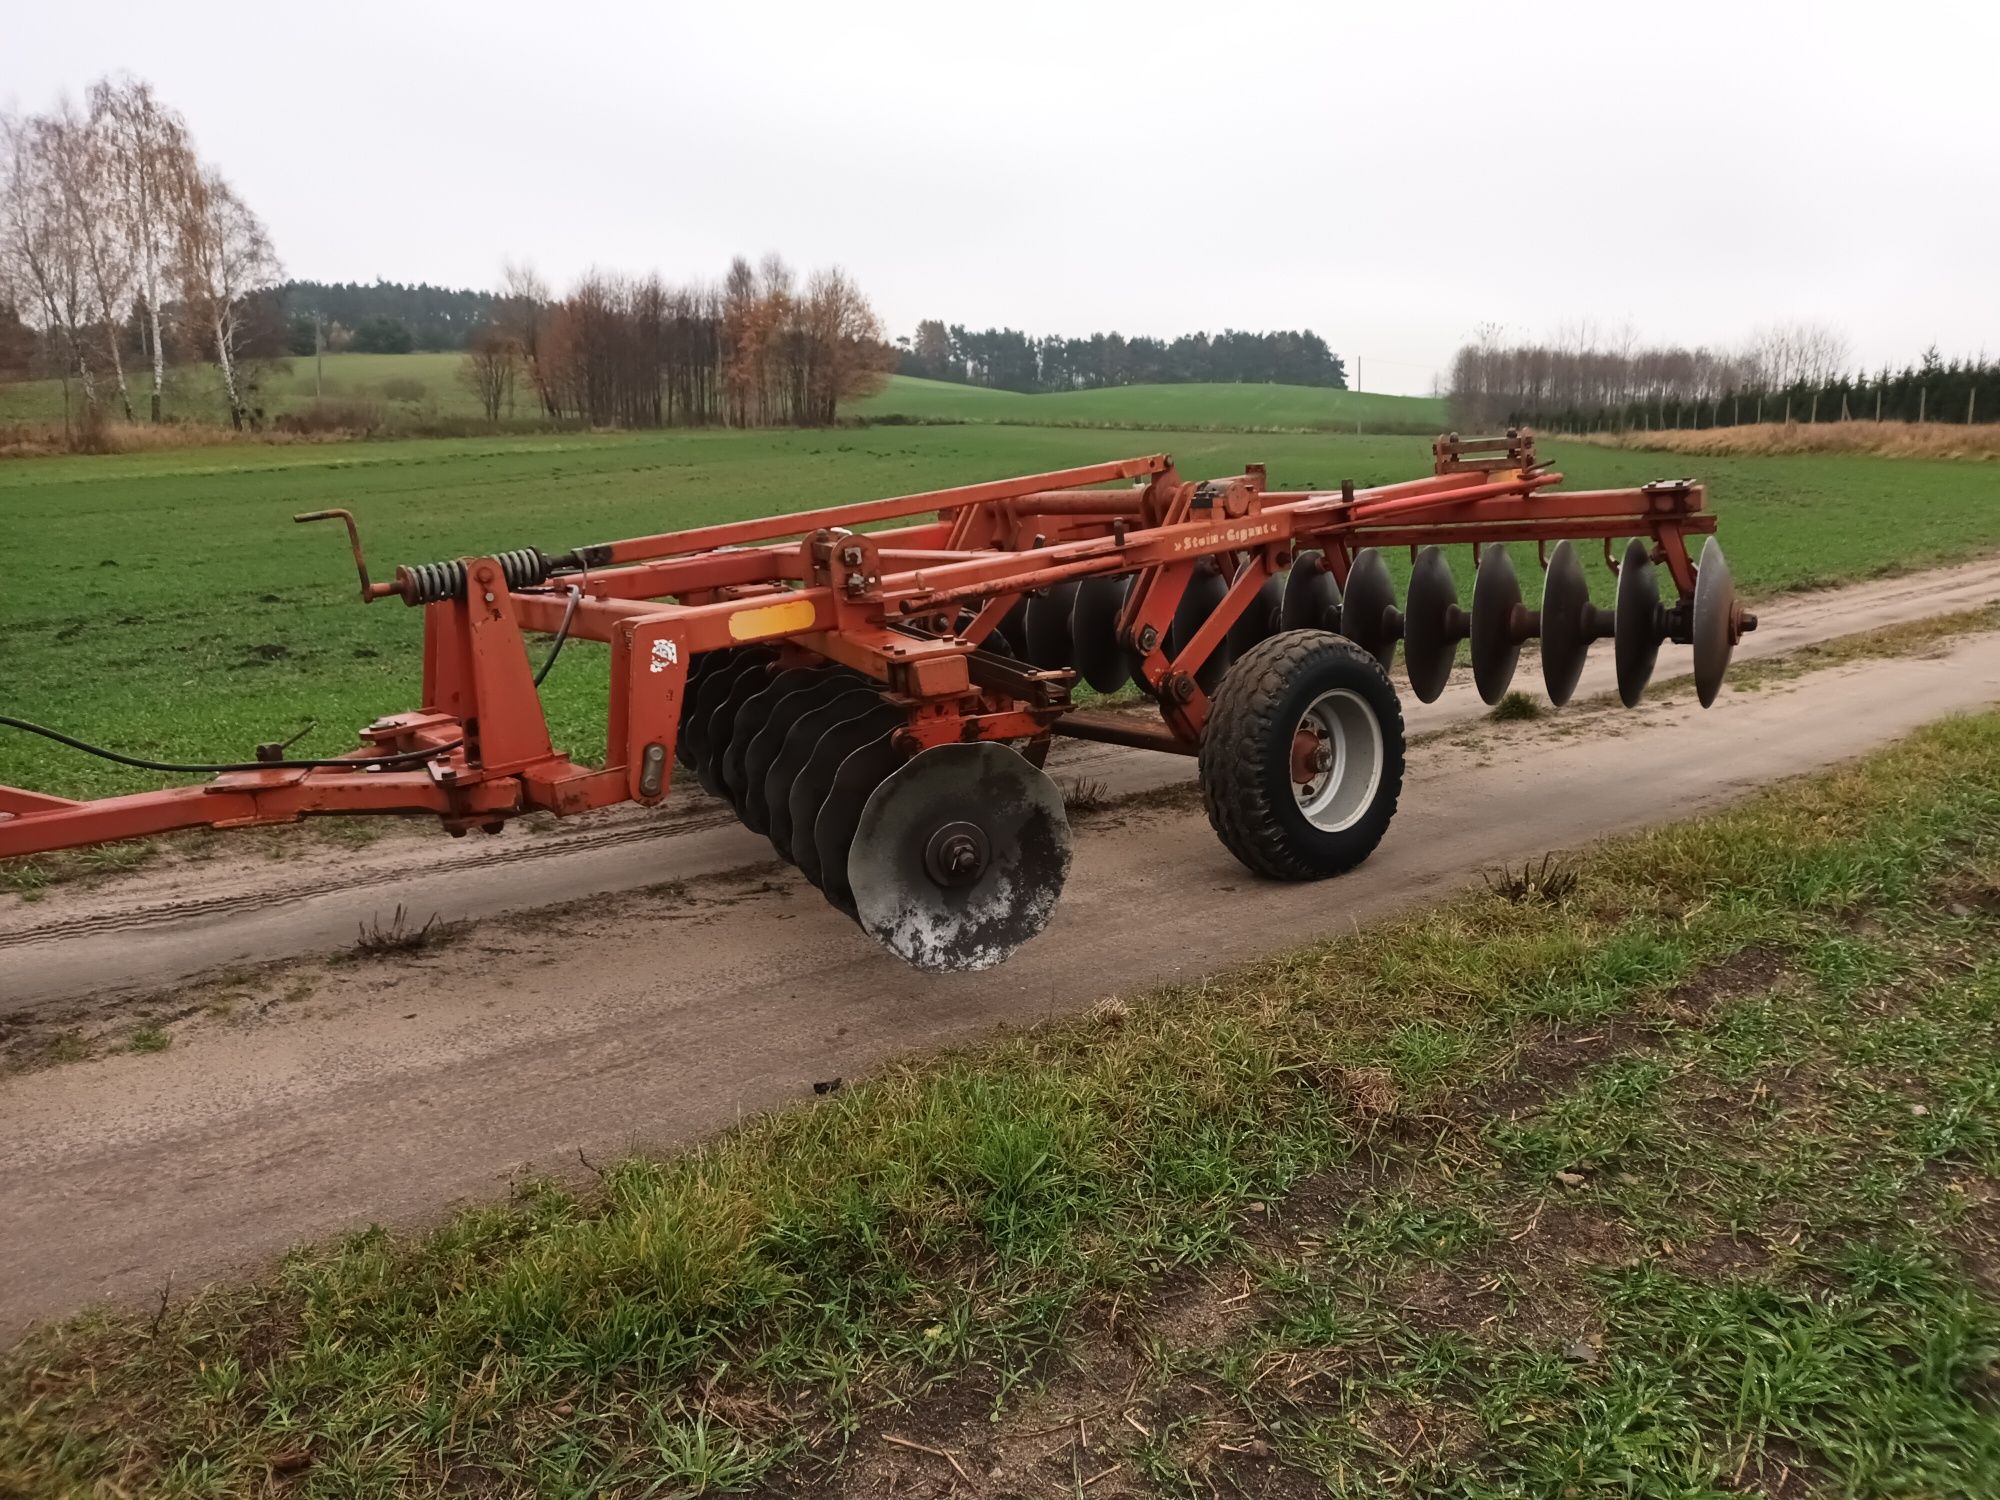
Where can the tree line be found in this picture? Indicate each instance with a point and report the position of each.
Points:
(1790, 372)
(1010, 360)
(761, 348)
(382, 317)
(120, 246)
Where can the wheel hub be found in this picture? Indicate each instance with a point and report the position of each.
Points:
(957, 854)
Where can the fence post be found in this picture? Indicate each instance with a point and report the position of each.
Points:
(1878, 403)
(1971, 397)
(1812, 412)
(1923, 394)
(1843, 406)
(1788, 408)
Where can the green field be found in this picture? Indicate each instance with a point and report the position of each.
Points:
(165, 605)
(1187, 408)
(195, 391)
(425, 387)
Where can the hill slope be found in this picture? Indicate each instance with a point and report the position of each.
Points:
(1192, 407)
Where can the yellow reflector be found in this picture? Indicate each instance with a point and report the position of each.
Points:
(772, 619)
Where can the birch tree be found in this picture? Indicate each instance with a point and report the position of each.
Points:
(44, 257)
(224, 255)
(150, 158)
(79, 164)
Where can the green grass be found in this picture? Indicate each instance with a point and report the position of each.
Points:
(173, 611)
(195, 391)
(1186, 408)
(1725, 1118)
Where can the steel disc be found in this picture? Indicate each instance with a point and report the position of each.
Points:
(1259, 620)
(800, 742)
(1368, 615)
(1093, 630)
(1496, 609)
(750, 720)
(959, 857)
(1566, 632)
(692, 746)
(721, 726)
(815, 779)
(1433, 625)
(1048, 645)
(1714, 621)
(1640, 627)
(769, 742)
(1203, 593)
(1312, 598)
(840, 814)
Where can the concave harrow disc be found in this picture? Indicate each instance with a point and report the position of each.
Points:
(1641, 625)
(1715, 621)
(1567, 623)
(1497, 624)
(816, 778)
(1093, 629)
(1368, 614)
(1312, 598)
(959, 857)
(1433, 625)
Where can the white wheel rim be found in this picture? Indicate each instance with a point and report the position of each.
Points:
(1348, 762)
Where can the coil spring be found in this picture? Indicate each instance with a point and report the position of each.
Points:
(433, 583)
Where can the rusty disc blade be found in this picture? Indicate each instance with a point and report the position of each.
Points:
(768, 741)
(721, 725)
(800, 742)
(1312, 598)
(1093, 631)
(751, 716)
(1432, 625)
(1368, 614)
(960, 857)
(1048, 644)
(1496, 605)
(840, 814)
(1641, 627)
(1714, 621)
(705, 699)
(813, 784)
(1566, 632)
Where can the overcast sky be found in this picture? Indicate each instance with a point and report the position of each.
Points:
(1390, 174)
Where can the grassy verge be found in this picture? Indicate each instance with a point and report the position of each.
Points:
(1946, 440)
(958, 1228)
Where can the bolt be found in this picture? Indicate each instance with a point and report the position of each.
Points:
(1148, 639)
(960, 857)
(489, 596)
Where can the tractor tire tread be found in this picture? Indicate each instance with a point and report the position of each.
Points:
(1242, 719)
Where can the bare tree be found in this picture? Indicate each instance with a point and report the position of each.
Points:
(224, 256)
(492, 362)
(150, 159)
(81, 167)
(41, 250)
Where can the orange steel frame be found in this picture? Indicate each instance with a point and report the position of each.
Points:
(883, 602)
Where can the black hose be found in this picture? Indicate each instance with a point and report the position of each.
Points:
(562, 633)
(350, 763)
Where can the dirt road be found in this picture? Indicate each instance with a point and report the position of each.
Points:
(380, 1094)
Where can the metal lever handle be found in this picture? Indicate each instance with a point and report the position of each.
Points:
(370, 592)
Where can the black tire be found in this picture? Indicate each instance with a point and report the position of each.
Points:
(1247, 748)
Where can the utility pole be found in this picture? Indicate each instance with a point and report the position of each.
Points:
(319, 357)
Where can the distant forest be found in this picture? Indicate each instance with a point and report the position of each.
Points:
(1009, 360)
(387, 317)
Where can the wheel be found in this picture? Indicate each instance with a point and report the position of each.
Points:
(1302, 759)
